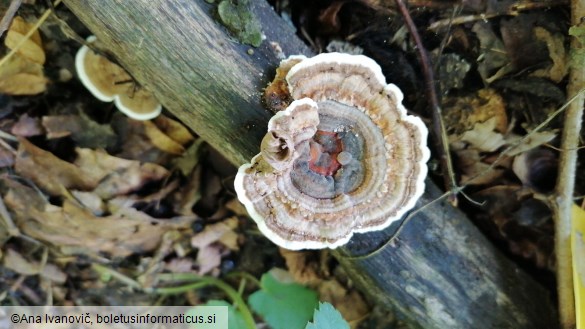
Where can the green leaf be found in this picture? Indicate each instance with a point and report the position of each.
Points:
(235, 318)
(577, 31)
(327, 317)
(578, 54)
(283, 305)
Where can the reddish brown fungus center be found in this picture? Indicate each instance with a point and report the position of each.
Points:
(324, 148)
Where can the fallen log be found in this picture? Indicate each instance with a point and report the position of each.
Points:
(438, 271)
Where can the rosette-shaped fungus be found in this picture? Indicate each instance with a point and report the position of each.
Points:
(343, 157)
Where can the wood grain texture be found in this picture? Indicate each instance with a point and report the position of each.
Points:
(439, 272)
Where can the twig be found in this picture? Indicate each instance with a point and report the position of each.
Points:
(27, 36)
(513, 10)
(7, 18)
(441, 140)
(566, 178)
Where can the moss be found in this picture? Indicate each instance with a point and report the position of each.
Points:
(237, 16)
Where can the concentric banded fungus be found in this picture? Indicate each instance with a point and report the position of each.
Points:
(109, 82)
(343, 157)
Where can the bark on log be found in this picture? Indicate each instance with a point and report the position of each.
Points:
(438, 272)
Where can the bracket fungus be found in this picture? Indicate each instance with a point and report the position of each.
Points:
(343, 157)
(109, 82)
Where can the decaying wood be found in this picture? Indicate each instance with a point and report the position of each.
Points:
(438, 272)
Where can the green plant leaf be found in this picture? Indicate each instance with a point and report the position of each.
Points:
(235, 318)
(578, 54)
(283, 305)
(327, 317)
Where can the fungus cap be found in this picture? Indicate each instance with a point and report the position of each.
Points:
(344, 157)
(109, 82)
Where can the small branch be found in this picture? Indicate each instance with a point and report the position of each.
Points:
(438, 129)
(514, 10)
(8, 15)
(566, 179)
(27, 36)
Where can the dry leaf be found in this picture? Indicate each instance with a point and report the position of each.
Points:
(471, 165)
(189, 194)
(27, 126)
(22, 74)
(174, 129)
(557, 53)
(349, 303)
(208, 258)
(23, 84)
(210, 252)
(91, 201)
(219, 232)
(84, 131)
(72, 227)
(50, 173)
(483, 137)
(191, 158)
(161, 141)
(96, 171)
(32, 49)
(535, 139)
(16, 262)
(493, 53)
(462, 113)
(6, 157)
(117, 176)
(303, 266)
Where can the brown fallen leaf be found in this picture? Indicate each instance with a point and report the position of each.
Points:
(219, 232)
(32, 48)
(22, 74)
(349, 303)
(209, 258)
(72, 227)
(513, 215)
(90, 201)
(115, 175)
(50, 173)
(23, 84)
(462, 113)
(27, 126)
(19, 264)
(162, 141)
(303, 266)
(483, 136)
(189, 193)
(19, 76)
(555, 44)
(16, 262)
(7, 157)
(174, 129)
(495, 61)
(214, 242)
(134, 142)
(84, 131)
(96, 171)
